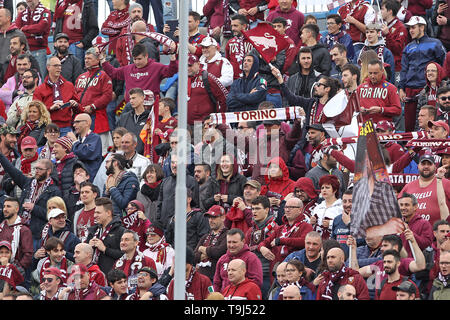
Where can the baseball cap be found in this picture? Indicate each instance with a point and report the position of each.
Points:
(215, 211)
(79, 269)
(150, 271)
(439, 123)
(384, 125)
(28, 142)
(5, 243)
(55, 213)
(427, 157)
(253, 183)
(61, 35)
(406, 286)
(54, 271)
(316, 126)
(416, 20)
(8, 130)
(208, 41)
(192, 59)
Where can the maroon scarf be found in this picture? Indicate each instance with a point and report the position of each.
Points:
(102, 238)
(159, 247)
(332, 279)
(26, 129)
(62, 268)
(259, 235)
(211, 240)
(60, 164)
(11, 275)
(61, 6)
(25, 164)
(57, 95)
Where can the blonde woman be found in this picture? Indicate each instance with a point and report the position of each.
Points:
(35, 117)
(365, 57)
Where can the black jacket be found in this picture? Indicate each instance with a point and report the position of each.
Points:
(71, 67)
(295, 84)
(112, 243)
(39, 212)
(265, 70)
(65, 179)
(127, 120)
(89, 25)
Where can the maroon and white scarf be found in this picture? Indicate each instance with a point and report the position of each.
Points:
(190, 278)
(332, 279)
(320, 117)
(57, 95)
(17, 226)
(136, 263)
(35, 192)
(351, 10)
(11, 275)
(43, 294)
(287, 231)
(101, 237)
(210, 241)
(259, 235)
(159, 247)
(11, 157)
(444, 279)
(62, 268)
(379, 50)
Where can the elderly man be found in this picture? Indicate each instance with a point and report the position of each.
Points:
(87, 144)
(140, 163)
(94, 88)
(288, 237)
(346, 292)
(213, 62)
(83, 255)
(58, 95)
(240, 288)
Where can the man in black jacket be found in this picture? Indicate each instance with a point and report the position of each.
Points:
(71, 65)
(65, 160)
(105, 236)
(35, 193)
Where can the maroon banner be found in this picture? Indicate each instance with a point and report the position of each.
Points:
(131, 221)
(266, 40)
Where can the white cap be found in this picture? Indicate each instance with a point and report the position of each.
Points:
(416, 20)
(208, 41)
(54, 213)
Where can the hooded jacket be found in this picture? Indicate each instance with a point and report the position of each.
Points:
(428, 93)
(387, 57)
(321, 58)
(112, 253)
(239, 98)
(416, 55)
(124, 192)
(282, 185)
(297, 81)
(254, 268)
(24, 253)
(439, 291)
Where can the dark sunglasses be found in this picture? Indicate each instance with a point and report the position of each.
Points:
(49, 280)
(444, 98)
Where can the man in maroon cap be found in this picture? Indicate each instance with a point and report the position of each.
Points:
(438, 129)
(305, 191)
(51, 284)
(11, 274)
(158, 249)
(213, 244)
(29, 157)
(395, 150)
(205, 92)
(80, 287)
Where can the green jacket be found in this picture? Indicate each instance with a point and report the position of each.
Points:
(438, 291)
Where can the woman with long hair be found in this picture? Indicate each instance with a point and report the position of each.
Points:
(35, 117)
(149, 191)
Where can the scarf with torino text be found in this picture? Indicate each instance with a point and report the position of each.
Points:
(11, 275)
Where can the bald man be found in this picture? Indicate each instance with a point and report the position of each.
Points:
(292, 292)
(87, 145)
(152, 47)
(281, 280)
(347, 292)
(341, 275)
(240, 288)
(83, 255)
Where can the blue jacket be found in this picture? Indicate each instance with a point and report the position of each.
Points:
(90, 153)
(123, 193)
(342, 37)
(340, 232)
(70, 241)
(416, 55)
(239, 98)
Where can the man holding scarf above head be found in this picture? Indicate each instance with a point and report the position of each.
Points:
(58, 95)
(116, 21)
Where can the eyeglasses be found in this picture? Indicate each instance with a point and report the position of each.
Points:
(40, 169)
(143, 274)
(291, 207)
(322, 84)
(49, 280)
(242, 128)
(56, 65)
(444, 263)
(431, 71)
(445, 98)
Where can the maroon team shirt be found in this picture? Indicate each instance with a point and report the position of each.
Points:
(85, 220)
(388, 294)
(427, 198)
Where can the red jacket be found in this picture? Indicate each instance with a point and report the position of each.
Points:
(199, 289)
(423, 233)
(351, 277)
(35, 26)
(282, 185)
(113, 25)
(248, 4)
(213, 10)
(99, 93)
(382, 94)
(293, 242)
(246, 290)
(418, 7)
(359, 14)
(396, 41)
(44, 93)
(199, 103)
(235, 51)
(24, 253)
(96, 275)
(125, 45)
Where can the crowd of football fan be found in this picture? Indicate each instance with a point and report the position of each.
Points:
(87, 186)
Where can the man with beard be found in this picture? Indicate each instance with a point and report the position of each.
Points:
(30, 81)
(35, 193)
(321, 57)
(338, 274)
(132, 260)
(213, 244)
(125, 45)
(13, 229)
(391, 264)
(202, 174)
(350, 77)
(441, 289)
(428, 189)
(8, 146)
(421, 228)
(238, 46)
(443, 99)
(71, 65)
(14, 85)
(80, 287)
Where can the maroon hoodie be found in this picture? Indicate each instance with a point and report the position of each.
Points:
(24, 253)
(431, 91)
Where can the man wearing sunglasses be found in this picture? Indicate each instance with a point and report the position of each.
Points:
(51, 284)
(443, 99)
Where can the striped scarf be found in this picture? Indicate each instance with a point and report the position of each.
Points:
(35, 192)
(63, 268)
(101, 237)
(159, 247)
(332, 279)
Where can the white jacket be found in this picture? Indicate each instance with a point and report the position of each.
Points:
(226, 75)
(332, 212)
